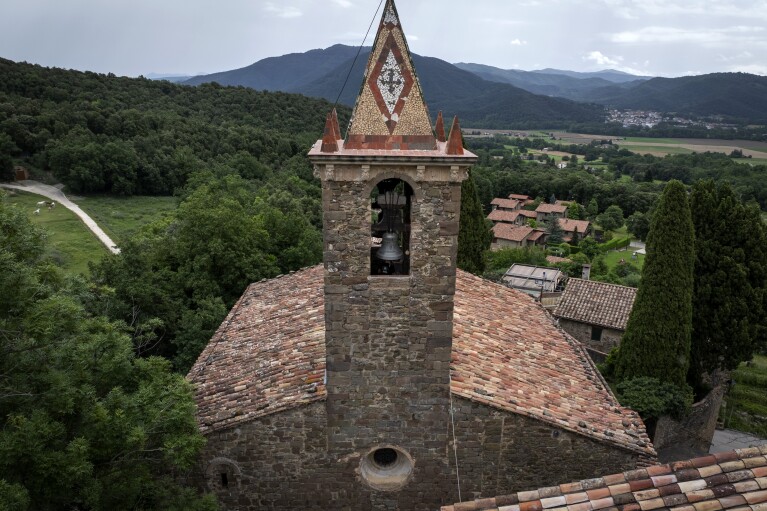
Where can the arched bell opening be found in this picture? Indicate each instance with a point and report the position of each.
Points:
(391, 201)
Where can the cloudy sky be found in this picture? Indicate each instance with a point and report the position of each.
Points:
(133, 37)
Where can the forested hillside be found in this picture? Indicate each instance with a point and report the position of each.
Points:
(476, 101)
(101, 133)
(738, 96)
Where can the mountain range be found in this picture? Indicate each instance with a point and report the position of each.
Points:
(491, 97)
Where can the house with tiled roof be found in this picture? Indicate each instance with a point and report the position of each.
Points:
(505, 204)
(379, 379)
(507, 235)
(503, 216)
(595, 313)
(727, 481)
(545, 212)
(570, 227)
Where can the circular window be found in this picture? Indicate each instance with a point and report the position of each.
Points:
(386, 468)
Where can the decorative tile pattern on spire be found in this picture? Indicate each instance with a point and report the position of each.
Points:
(390, 112)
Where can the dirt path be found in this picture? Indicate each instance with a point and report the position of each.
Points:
(58, 196)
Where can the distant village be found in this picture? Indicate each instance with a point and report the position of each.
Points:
(650, 119)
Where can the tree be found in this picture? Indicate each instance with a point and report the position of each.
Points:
(575, 211)
(554, 233)
(552, 199)
(84, 424)
(729, 322)
(638, 224)
(611, 219)
(592, 210)
(576, 237)
(474, 235)
(657, 338)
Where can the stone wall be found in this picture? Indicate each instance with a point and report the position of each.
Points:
(582, 332)
(501, 453)
(283, 462)
(693, 434)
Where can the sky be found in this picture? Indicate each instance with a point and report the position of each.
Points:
(188, 37)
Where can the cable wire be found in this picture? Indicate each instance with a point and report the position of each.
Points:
(359, 50)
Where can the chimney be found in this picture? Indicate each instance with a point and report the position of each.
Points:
(586, 272)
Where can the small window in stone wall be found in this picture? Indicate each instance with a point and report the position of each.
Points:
(391, 201)
(596, 333)
(223, 475)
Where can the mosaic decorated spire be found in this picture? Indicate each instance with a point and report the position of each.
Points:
(390, 112)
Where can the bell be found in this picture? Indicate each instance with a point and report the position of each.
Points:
(389, 250)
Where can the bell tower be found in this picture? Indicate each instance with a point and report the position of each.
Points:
(391, 203)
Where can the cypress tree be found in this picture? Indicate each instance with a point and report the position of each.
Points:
(554, 233)
(474, 235)
(657, 338)
(730, 280)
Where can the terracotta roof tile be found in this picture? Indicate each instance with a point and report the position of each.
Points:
(511, 232)
(501, 215)
(569, 225)
(662, 491)
(505, 203)
(596, 303)
(550, 208)
(269, 355)
(518, 196)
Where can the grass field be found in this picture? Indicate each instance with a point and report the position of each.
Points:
(745, 408)
(613, 258)
(120, 217)
(70, 242)
(658, 149)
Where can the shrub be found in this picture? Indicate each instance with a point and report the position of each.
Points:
(652, 398)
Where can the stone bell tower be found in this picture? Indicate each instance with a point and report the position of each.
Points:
(391, 204)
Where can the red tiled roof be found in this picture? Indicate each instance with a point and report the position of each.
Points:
(528, 214)
(518, 196)
(501, 215)
(505, 203)
(569, 225)
(734, 480)
(511, 232)
(550, 208)
(596, 303)
(269, 355)
(537, 233)
(554, 259)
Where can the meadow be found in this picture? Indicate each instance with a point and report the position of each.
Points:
(121, 217)
(70, 243)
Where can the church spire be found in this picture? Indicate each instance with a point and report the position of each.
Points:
(390, 112)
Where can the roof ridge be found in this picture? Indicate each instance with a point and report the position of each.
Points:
(599, 282)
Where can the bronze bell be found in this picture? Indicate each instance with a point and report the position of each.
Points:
(390, 250)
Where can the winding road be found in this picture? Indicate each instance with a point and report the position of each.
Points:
(58, 196)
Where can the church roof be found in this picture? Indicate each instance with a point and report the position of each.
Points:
(733, 480)
(269, 355)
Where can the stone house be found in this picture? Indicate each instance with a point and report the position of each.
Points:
(569, 226)
(503, 216)
(381, 378)
(505, 204)
(507, 235)
(595, 313)
(545, 212)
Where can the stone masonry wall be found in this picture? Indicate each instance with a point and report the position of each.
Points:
(388, 338)
(501, 453)
(282, 462)
(582, 332)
